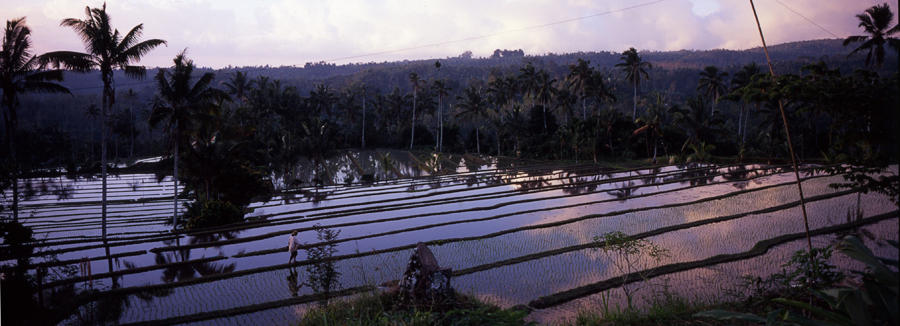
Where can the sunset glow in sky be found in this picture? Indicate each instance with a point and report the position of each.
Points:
(283, 32)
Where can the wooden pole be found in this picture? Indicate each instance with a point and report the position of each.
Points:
(787, 132)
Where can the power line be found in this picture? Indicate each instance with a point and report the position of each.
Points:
(805, 18)
(479, 37)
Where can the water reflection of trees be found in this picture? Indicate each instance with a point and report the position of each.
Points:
(625, 190)
(322, 275)
(575, 185)
(532, 184)
(178, 266)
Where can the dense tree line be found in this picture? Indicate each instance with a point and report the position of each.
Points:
(251, 126)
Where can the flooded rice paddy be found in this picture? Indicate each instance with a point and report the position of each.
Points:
(512, 232)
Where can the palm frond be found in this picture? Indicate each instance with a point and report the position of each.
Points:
(134, 53)
(70, 60)
(130, 38)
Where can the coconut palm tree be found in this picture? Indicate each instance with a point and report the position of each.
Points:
(20, 72)
(441, 89)
(601, 92)
(579, 80)
(179, 104)
(712, 84)
(527, 81)
(742, 78)
(416, 85)
(876, 22)
(107, 51)
(500, 91)
(474, 105)
(635, 69)
(239, 85)
(544, 91)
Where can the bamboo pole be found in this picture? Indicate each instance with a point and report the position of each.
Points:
(787, 132)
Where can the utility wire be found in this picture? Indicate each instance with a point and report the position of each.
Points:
(805, 18)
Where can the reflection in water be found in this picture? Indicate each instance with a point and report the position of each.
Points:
(574, 185)
(293, 284)
(179, 267)
(322, 274)
(625, 190)
(532, 184)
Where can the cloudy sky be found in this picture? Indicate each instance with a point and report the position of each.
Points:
(219, 33)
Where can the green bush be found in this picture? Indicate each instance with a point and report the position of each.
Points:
(208, 213)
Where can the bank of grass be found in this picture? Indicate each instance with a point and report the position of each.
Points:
(666, 311)
(383, 309)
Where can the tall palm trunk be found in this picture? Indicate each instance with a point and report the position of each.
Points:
(441, 121)
(412, 135)
(11, 143)
(107, 99)
(477, 142)
(634, 102)
(364, 123)
(583, 107)
(175, 179)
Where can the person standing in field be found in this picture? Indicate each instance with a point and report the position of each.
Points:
(293, 245)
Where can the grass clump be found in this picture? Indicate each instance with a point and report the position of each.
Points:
(384, 309)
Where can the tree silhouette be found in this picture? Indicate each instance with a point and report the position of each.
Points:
(20, 72)
(635, 69)
(107, 50)
(876, 22)
(441, 89)
(741, 79)
(473, 105)
(712, 84)
(579, 80)
(544, 91)
(239, 85)
(416, 85)
(178, 105)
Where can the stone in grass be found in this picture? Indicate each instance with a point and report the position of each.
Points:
(424, 281)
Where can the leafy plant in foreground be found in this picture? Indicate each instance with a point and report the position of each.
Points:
(872, 301)
(630, 256)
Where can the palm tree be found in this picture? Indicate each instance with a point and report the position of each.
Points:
(20, 72)
(635, 69)
(528, 82)
(742, 78)
(362, 90)
(579, 79)
(441, 89)
(712, 83)
(474, 105)
(876, 22)
(416, 85)
(544, 91)
(107, 50)
(602, 93)
(501, 91)
(239, 85)
(652, 123)
(178, 105)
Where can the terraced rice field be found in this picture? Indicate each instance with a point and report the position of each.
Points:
(512, 234)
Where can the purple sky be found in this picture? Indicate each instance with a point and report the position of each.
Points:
(218, 33)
